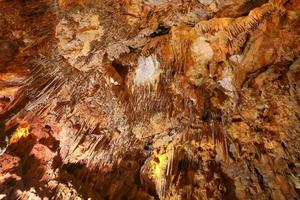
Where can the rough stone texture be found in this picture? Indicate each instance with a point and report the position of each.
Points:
(149, 99)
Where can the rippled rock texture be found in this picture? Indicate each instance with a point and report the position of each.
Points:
(149, 99)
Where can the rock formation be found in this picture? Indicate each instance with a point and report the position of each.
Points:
(149, 99)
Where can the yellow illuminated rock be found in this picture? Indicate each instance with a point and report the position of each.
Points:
(159, 167)
(18, 134)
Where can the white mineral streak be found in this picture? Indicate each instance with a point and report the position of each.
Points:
(227, 84)
(148, 71)
(202, 50)
(113, 81)
(236, 58)
(3, 149)
(202, 53)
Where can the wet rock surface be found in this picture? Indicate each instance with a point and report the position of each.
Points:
(155, 99)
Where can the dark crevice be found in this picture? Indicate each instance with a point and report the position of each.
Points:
(121, 69)
(260, 179)
(161, 30)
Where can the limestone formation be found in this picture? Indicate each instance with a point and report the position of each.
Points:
(149, 99)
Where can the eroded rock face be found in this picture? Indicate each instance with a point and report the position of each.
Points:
(149, 99)
(76, 34)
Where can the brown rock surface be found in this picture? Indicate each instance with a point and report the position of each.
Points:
(149, 99)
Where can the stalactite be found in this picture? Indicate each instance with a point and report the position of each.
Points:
(149, 99)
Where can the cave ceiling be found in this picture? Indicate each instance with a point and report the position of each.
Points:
(149, 99)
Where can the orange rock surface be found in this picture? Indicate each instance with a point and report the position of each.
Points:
(149, 99)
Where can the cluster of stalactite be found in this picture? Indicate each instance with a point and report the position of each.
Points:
(149, 99)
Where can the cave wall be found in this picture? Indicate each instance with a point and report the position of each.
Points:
(149, 99)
